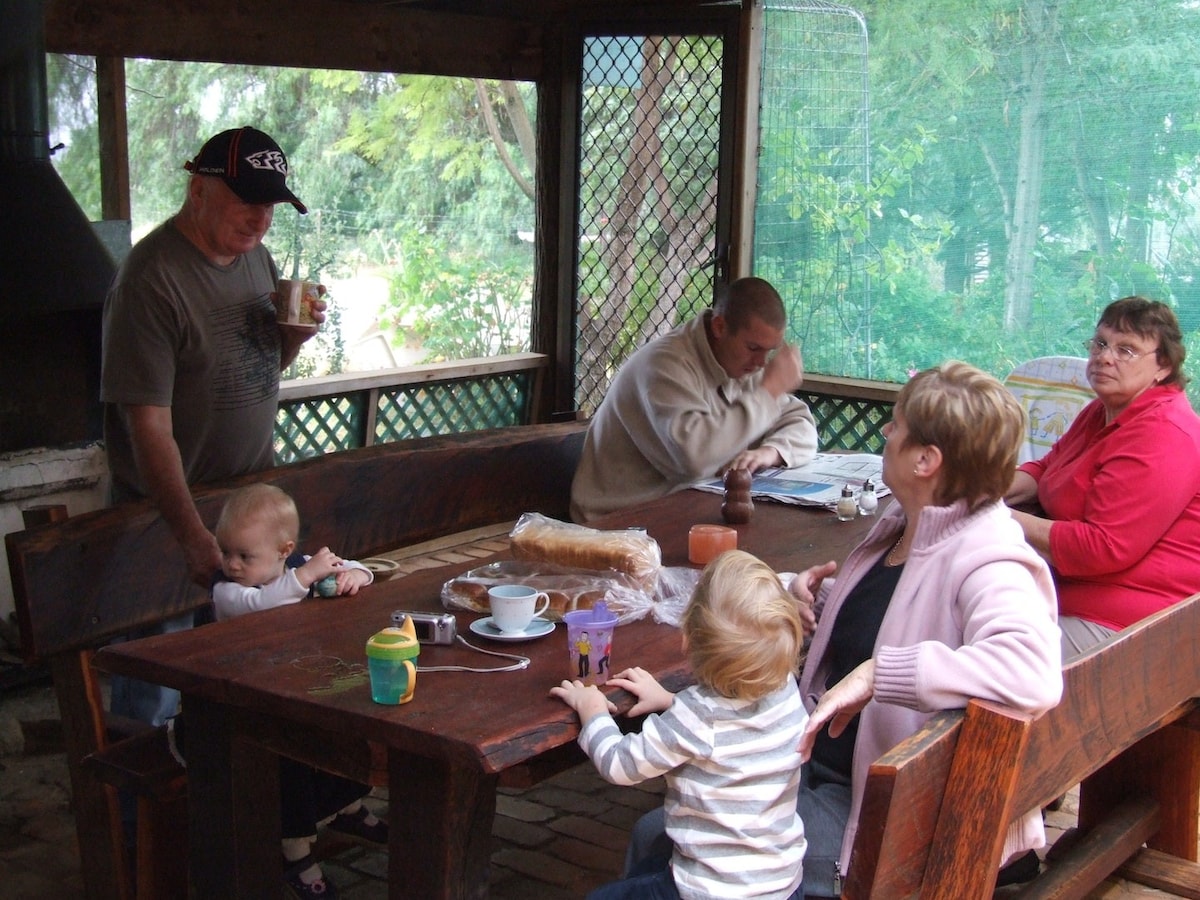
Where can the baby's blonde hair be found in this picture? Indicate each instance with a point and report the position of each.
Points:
(262, 504)
(743, 628)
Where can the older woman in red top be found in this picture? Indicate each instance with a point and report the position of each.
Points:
(1121, 489)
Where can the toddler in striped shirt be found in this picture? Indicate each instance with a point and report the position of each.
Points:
(726, 746)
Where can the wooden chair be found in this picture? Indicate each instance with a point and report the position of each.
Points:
(1127, 730)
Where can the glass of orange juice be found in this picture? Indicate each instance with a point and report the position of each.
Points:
(707, 542)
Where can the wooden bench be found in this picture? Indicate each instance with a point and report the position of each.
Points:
(1127, 731)
(81, 582)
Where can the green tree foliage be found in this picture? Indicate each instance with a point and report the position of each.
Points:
(1039, 160)
(457, 309)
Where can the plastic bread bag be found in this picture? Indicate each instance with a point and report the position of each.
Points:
(629, 551)
(568, 588)
(676, 584)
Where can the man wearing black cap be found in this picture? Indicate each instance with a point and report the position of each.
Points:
(192, 353)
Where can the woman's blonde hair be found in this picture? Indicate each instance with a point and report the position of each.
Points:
(976, 423)
(264, 504)
(743, 628)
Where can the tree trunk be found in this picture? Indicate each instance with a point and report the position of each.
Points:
(599, 352)
(1027, 193)
(493, 130)
(1137, 201)
(686, 249)
(1095, 201)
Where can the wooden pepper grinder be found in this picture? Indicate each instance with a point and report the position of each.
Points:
(738, 507)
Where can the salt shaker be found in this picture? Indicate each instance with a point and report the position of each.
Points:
(847, 509)
(867, 501)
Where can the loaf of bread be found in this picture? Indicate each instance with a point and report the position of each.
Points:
(629, 551)
(568, 589)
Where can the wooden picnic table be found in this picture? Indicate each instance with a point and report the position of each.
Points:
(293, 681)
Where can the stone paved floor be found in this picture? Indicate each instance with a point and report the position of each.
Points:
(556, 840)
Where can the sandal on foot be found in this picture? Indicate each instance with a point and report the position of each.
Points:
(1021, 870)
(321, 889)
(355, 825)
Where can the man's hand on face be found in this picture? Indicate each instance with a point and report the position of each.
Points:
(784, 372)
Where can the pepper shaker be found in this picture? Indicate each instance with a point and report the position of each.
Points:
(738, 506)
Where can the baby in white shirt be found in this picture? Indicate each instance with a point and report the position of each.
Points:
(260, 569)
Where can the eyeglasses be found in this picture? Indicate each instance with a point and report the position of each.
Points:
(1121, 353)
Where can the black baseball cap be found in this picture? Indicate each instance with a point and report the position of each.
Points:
(250, 162)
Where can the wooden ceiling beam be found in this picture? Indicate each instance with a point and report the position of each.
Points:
(324, 34)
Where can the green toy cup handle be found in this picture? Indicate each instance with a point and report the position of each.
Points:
(412, 680)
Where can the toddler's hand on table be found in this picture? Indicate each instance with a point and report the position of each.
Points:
(652, 696)
(585, 699)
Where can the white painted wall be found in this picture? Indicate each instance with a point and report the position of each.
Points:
(74, 476)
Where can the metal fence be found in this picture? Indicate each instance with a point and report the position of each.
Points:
(811, 227)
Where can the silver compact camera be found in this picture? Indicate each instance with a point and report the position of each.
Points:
(431, 628)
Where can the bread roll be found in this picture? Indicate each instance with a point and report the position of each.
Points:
(568, 588)
(588, 599)
(467, 594)
(560, 602)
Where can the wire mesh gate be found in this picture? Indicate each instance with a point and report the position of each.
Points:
(811, 229)
(650, 122)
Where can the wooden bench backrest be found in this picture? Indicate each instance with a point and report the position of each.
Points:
(81, 582)
(936, 806)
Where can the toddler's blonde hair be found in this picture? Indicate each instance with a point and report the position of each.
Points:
(264, 505)
(743, 628)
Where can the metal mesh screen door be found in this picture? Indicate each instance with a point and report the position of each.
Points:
(810, 229)
(650, 127)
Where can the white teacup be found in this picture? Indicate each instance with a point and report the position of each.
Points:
(515, 605)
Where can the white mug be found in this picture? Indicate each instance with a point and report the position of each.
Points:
(515, 605)
(294, 301)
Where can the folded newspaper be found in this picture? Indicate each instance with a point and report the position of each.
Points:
(817, 483)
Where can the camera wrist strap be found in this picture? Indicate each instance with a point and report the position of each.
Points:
(520, 662)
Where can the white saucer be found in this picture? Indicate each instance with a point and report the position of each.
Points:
(536, 629)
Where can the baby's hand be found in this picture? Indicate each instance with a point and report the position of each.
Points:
(586, 700)
(323, 562)
(652, 696)
(350, 580)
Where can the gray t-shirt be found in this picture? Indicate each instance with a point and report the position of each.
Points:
(184, 332)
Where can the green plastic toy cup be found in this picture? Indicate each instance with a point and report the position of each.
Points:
(392, 664)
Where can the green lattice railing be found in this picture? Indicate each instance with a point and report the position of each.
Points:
(344, 412)
(845, 424)
(850, 413)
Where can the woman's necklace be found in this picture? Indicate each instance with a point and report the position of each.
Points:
(890, 559)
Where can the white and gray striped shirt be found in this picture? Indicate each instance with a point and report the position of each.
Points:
(732, 774)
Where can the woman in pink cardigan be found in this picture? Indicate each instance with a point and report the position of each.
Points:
(941, 602)
(1120, 491)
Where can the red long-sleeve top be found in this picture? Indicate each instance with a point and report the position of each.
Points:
(1125, 498)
